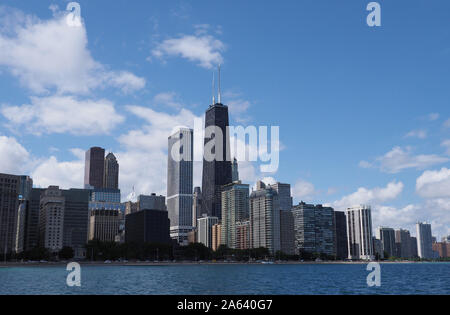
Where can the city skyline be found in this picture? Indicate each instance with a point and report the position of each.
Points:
(403, 174)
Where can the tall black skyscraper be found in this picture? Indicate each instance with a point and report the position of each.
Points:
(216, 173)
(94, 167)
(111, 172)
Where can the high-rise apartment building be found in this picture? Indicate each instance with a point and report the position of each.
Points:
(111, 172)
(235, 208)
(25, 188)
(359, 233)
(180, 184)
(387, 237)
(265, 218)
(94, 168)
(340, 237)
(204, 230)
(424, 240)
(314, 229)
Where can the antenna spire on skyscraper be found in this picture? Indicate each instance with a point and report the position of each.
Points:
(213, 90)
(220, 93)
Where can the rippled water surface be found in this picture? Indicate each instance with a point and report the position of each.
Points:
(422, 278)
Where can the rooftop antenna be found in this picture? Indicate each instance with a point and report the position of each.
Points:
(220, 96)
(213, 90)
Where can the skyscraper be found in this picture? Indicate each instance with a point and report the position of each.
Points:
(387, 237)
(51, 219)
(359, 233)
(340, 238)
(94, 168)
(153, 201)
(265, 219)
(235, 208)
(424, 242)
(111, 172)
(216, 171)
(180, 184)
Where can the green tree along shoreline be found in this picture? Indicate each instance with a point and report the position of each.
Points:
(101, 251)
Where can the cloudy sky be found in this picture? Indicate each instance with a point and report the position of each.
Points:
(363, 112)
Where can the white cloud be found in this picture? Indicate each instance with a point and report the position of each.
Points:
(65, 174)
(47, 55)
(446, 145)
(203, 49)
(433, 116)
(303, 190)
(420, 134)
(447, 123)
(13, 156)
(167, 99)
(434, 184)
(365, 164)
(64, 114)
(370, 196)
(399, 159)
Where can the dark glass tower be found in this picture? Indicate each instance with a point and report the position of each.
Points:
(216, 173)
(94, 167)
(111, 172)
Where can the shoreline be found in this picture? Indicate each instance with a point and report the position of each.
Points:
(167, 264)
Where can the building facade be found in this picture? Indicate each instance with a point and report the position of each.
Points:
(104, 225)
(243, 238)
(216, 236)
(152, 201)
(147, 226)
(403, 244)
(180, 184)
(359, 233)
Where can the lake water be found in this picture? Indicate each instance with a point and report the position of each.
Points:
(418, 278)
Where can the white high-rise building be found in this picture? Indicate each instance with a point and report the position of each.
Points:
(180, 184)
(204, 230)
(265, 218)
(359, 233)
(424, 240)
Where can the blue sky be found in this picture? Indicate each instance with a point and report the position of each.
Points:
(363, 112)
